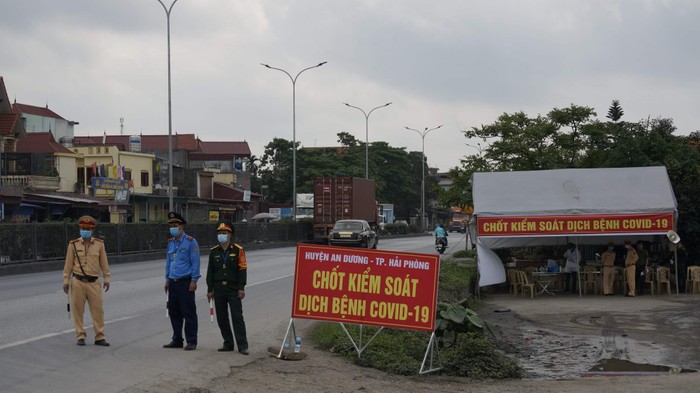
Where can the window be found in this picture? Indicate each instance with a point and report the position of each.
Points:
(127, 174)
(144, 178)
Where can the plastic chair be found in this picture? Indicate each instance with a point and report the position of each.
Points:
(649, 279)
(620, 281)
(690, 282)
(590, 279)
(526, 285)
(663, 278)
(696, 280)
(514, 281)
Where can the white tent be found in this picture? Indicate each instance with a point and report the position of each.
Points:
(513, 209)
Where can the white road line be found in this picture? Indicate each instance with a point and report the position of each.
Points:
(270, 280)
(43, 336)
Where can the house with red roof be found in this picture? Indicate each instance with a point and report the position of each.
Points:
(43, 119)
(54, 167)
(198, 166)
(11, 130)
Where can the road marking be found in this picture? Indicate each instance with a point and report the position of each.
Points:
(48, 335)
(266, 281)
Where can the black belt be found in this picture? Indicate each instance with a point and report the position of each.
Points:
(85, 278)
(186, 278)
(226, 283)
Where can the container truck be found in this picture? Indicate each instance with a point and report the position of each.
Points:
(342, 198)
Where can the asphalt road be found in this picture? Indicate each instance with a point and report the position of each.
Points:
(37, 340)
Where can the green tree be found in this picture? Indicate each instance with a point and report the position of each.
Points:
(572, 145)
(574, 138)
(615, 111)
(395, 171)
(277, 171)
(518, 142)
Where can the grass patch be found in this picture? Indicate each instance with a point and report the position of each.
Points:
(454, 280)
(464, 254)
(401, 352)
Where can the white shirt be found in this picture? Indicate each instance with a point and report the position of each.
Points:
(573, 257)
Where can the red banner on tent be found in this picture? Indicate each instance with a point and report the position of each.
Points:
(584, 224)
(370, 287)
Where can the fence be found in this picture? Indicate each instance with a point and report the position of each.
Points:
(26, 243)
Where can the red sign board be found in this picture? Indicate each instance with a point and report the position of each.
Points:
(369, 287)
(584, 224)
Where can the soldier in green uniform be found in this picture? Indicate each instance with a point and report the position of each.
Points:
(226, 280)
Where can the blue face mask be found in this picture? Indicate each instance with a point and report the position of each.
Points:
(222, 238)
(85, 233)
(174, 231)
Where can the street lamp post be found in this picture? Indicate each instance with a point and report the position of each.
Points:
(170, 113)
(422, 181)
(367, 132)
(294, 130)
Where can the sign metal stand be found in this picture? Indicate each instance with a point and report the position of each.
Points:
(290, 326)
(434, 354)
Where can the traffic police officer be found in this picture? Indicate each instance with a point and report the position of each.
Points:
(181, 275)
(226, 280)
(630, 260)
(85, 260)
(608, 260)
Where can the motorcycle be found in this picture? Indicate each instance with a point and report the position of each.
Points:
(441, 245)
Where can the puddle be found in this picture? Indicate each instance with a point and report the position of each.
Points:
(626, 367)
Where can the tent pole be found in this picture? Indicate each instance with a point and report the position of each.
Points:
(675, 262)
(578, 272)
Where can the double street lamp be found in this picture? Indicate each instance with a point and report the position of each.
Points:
(422, 181)
(367, 132)
(294, 130)
(170, 113)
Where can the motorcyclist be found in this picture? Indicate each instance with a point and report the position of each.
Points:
(440, 233)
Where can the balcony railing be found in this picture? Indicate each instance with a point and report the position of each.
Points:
(40, 183)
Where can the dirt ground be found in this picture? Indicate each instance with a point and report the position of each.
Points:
(559, 340)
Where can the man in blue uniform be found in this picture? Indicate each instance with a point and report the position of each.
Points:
(226, 280)
(181, 275)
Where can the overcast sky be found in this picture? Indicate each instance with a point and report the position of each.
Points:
(460, 63)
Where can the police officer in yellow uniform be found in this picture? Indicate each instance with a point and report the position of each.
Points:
(181, 275)
(630, 267)
(608, 261)
(226, 280)
(85, 260)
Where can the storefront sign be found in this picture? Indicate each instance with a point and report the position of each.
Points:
(370, 287)
(108, 183)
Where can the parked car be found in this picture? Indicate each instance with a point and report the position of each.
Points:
(353, 233)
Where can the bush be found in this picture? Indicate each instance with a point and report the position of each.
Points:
(394, 229)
